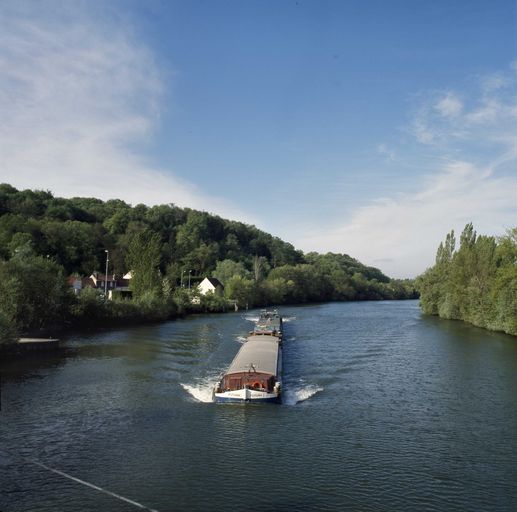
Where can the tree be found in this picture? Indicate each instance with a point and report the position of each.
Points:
(33, 292)
(169, 240)
(260, 267)
(477, 283)
(227, 269)
(7, 330)
(143, 259)
(275, 291)
(240, 289)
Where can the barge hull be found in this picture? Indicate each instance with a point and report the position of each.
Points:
(221, 399)
(246, 395)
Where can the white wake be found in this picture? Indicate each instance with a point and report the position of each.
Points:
(203, 390)
(294, 395)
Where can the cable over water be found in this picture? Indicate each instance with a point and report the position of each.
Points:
(81, 482)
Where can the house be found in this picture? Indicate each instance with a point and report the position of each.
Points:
(100, 280)
(121, 287)
(210, 285)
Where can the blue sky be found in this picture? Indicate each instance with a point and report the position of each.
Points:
(365, 127)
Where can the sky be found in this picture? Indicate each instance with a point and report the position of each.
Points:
(367, 127)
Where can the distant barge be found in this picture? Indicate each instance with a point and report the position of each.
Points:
(255, 373)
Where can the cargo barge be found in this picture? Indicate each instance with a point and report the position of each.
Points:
(255, 373)
(269, 322)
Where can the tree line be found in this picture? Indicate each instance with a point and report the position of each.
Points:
(44, 239)
(476, 282)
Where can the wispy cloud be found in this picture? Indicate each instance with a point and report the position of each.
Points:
(449, 105)
(400, 235)
(474, 142)
(80, 97)
(494, 81)
(387, 152)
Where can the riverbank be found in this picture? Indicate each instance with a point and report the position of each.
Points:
(101, 316)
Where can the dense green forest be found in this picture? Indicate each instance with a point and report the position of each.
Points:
(476, 283)
(44, 239)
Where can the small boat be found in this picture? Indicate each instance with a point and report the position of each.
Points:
(255, 373)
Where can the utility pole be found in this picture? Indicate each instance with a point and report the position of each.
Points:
(106, 275)
(189, 272)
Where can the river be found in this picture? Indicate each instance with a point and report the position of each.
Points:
(384, 410)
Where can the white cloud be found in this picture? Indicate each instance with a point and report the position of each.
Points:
(79, 99)
(477, 184)
(400, 235)
(488, 112)
(449, 106)
(421, 128)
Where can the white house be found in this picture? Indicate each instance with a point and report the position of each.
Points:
(210, 285)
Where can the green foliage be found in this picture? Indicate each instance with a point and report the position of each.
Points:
(261, 267)
(476, 283)
(212, 303)
(183, 300)
(8, 332)
(242, 290)
(227, 269)
(33, 293)
(90, 308)
(150, 305)
(143, 259)
(43, 239)
(89, 305)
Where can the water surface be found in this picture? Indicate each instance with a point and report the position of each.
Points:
(384, 409)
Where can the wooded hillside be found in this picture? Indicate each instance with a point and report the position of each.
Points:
(44, 239)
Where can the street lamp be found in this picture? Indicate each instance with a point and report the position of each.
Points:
(106, 275)
(189, 272)
(182, 272)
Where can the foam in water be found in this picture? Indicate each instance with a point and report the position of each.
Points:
(241, 339)
(292, 396)
(289, 319)
(202, 391)
(251, 318)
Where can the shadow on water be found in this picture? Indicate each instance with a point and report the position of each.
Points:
(465, 330)
(34, 365)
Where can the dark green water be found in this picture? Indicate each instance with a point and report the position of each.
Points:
(384, 410)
